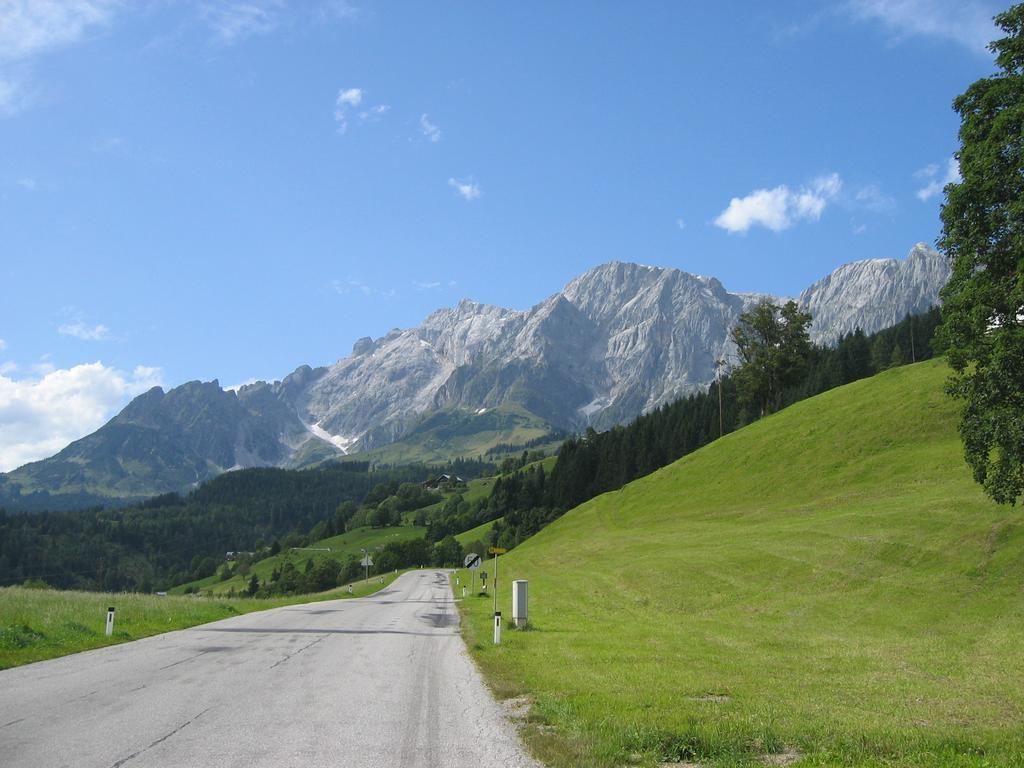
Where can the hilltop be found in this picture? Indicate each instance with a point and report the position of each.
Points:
(828, 582)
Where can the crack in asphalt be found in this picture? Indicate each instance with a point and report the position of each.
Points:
(296, 653)
(184, 660)
(162, 739)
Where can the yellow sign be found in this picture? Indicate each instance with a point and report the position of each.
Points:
(497, 550)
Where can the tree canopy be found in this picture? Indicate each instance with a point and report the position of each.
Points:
(983, 235)
(773, 345)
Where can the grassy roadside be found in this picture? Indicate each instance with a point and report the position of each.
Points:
(825, 587)
(44, 624)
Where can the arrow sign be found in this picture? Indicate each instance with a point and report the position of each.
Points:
(497, 550)
(367, 561)
(472, 561)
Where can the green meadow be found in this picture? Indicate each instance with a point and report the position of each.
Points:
(827, 586)
(37, 624)
(340, 548)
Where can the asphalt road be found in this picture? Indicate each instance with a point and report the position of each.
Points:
(378, 681)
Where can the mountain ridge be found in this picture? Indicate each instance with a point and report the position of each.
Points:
(616, 341)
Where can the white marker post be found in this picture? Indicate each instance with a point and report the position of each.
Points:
(463, 593)
(110, 621)
(497, 627)
(519, 590)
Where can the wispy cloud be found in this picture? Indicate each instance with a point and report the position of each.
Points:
(871, 197)
(236, 387)
(427, 285)
(27, 183)
(965, 22)
(935, 183)
(428, 129)
(354, 285)
(779, 208)
(233, 22)
(81, 330)
(347, 100)
(108, 144)
(13, 96)
(681, 222)
(467, 188)
(336, 10)
(374, 113)
(40, 416)
(348, 103)
(3, 345)
(29, 28)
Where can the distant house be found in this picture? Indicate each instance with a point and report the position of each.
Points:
(442, 482)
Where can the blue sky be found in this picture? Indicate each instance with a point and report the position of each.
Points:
(231, 189)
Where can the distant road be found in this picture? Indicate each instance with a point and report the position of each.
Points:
(377, 682)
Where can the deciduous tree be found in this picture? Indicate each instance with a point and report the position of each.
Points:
(983, 235)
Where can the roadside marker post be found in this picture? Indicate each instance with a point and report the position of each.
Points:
(497, 626)
(519, 592)
(110, 621)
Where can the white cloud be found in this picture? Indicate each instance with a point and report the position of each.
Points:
(80, 330)
(347, 103)
(350, 97)
(681, 223)
(27, 183)
(232, 22)
(426, 285)
(236, 387)
(428, 129)
(3, 345)
(935, 183)
(29, 27)
(468, 188)
(964, 22)
(8, 366)
(39, 416)
(779, 208)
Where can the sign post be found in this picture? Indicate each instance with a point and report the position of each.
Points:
(366, 563)
(496, 551)
(110, 621)
(472, 562)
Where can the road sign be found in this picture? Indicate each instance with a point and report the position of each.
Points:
(366, 562)
(497, 550)
(472, 561)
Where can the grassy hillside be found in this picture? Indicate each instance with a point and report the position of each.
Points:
(825, 587)
(43, 624)
(341, 548)
(475, 534)
(448, 434)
